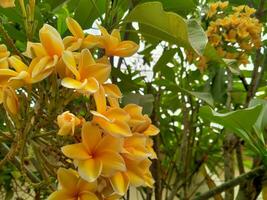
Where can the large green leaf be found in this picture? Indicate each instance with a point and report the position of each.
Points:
(182, 7)
(239, 120)
(171, 27)
(262, 118)
(205, 96)
(88, 11)
(165, 58)
(244, 124)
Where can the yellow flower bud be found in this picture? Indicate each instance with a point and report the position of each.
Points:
(4, 53)
(67, 123)
(10, 100)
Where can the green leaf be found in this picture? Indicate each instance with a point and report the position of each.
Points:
(88, 11)
(235, 121)
(205, 96)
(197, 36)
(165, 58)
(158, 24)
(262, 118)
(182, 7)
(145, 101)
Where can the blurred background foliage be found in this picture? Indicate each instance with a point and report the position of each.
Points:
(198, 147)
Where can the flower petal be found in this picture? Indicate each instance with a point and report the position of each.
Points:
(35, 50)
(100, 100)
(76, 151)
(68, 179)
(86, 60)
(51, 40)
(59, 195)
(72, 83)
(90, 169)
(91, 136)
(110, 143)
(151, 130)
(125, 49)
(88, 196)
(115, 128)
(69, 61)
(112, 90)
(17, 64)
(120, 183)
(74, 27)
(117, 114)
(111, 161)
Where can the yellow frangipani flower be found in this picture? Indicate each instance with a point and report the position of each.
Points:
(113, 120)
(134, 147)
(78, 39)
(73, 187)
(137, 174)
(140, 123)
(87, 75)
(113, 45)
(7, 3)
(50, 49)
(4, 54)
(67, 123)
(10, 100)
(39, 69)
(97, 154)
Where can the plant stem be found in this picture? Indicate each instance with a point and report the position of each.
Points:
(232, 183)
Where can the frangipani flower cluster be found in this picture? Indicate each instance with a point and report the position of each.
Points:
(233, 32)
(115, 150)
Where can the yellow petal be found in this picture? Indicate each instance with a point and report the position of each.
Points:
(92, 85)
(60, 195)
(135, 112)
(72, 83)
(76, 151)
(117, 114)
(74, 27)
(66, 129)
(90, 41)
(41, 65)
(125, 49)
(7, 3)
(112, 90)
(10, 100)
(103, 31)
(113, 102)
(68, 179)
(110, 143)
(17, 64)
(88, 196)
(86, 60)
(100, 100)
(115, 128)
(120, 182)
(18, 81)
(34, 50)
(91, 136)
(51, 40)
(90, 169)
(151, 130)
(85, 186)
(5, 75)
(69, 61)
(111, 161)
(136, 147)
(116, 33)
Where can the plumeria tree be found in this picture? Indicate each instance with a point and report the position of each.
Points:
(136, 99)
